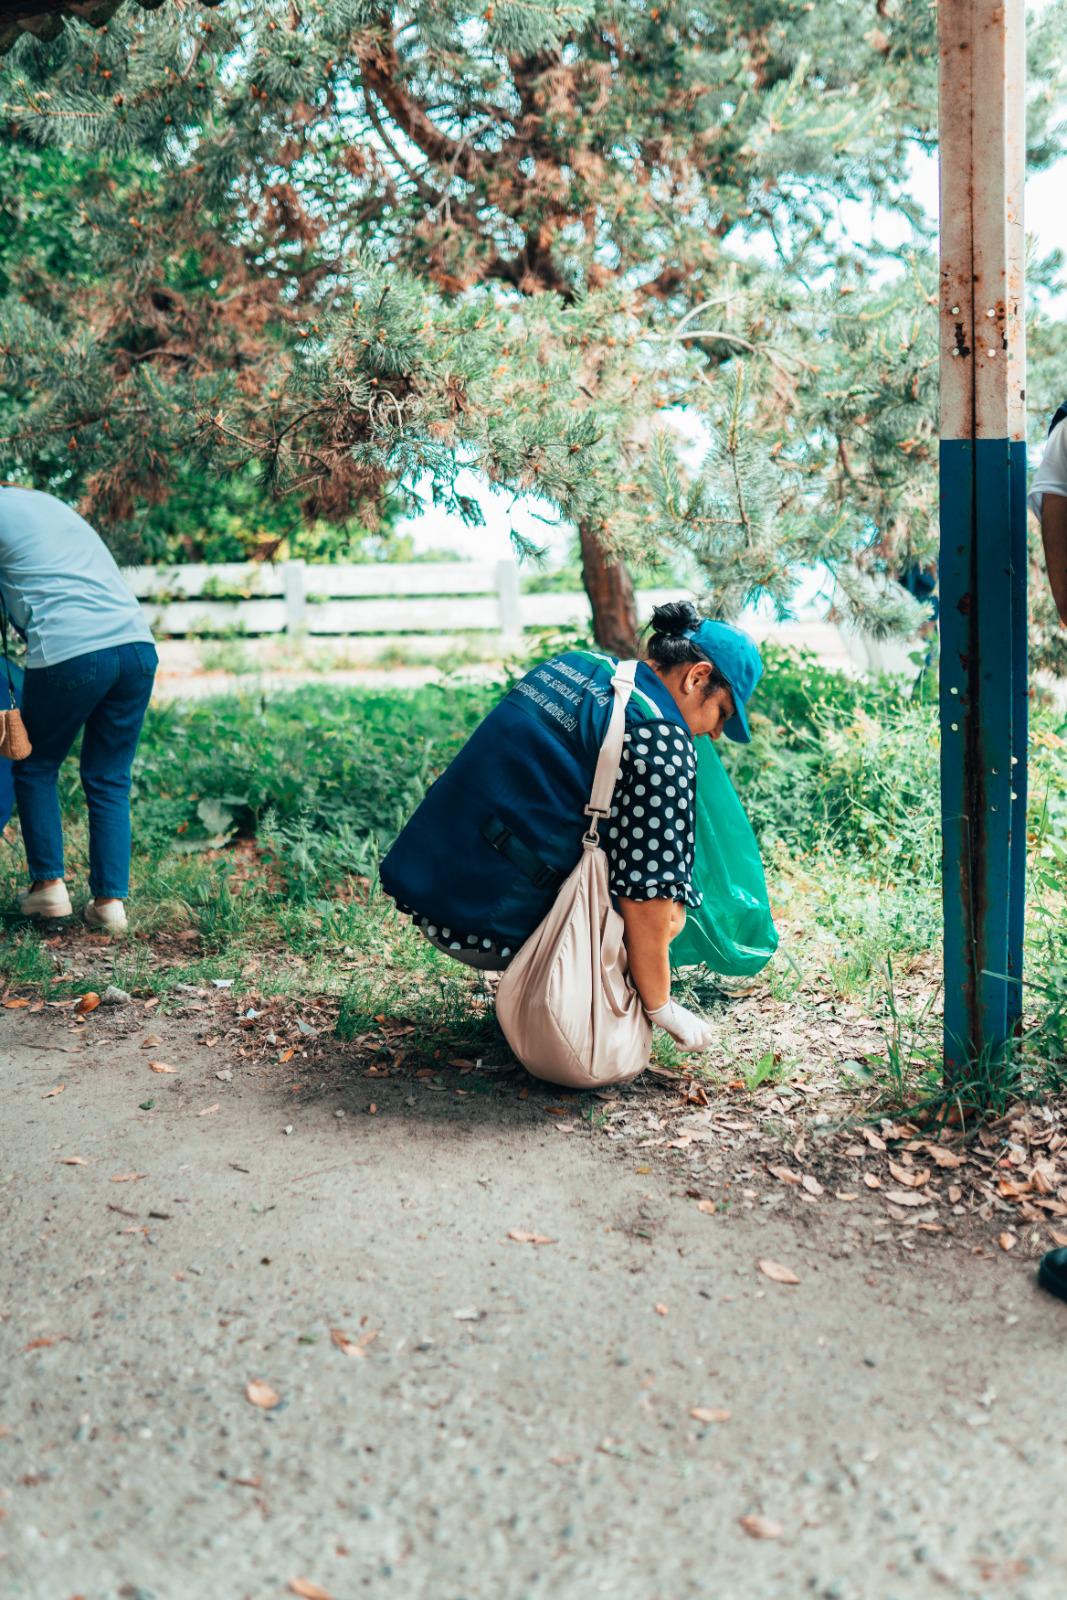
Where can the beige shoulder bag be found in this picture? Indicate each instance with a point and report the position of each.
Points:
(566, 1003)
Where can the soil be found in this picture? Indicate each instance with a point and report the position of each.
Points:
(633, 1409)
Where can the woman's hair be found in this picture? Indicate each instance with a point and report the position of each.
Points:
(667, 648)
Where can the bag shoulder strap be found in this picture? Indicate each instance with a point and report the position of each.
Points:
(607, 767)
(606, 661)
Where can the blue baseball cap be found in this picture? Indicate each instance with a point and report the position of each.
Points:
(740, 663)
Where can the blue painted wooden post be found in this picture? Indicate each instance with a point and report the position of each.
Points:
(983, 521)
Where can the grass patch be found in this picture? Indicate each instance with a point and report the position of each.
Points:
(260, 819)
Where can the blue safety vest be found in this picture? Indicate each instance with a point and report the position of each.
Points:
(502, 827)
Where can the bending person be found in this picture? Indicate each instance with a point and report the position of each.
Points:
(90, 664)
(479, 863)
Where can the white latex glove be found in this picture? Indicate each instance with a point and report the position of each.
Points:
(688, 1031)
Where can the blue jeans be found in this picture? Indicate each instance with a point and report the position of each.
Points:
(106, 692)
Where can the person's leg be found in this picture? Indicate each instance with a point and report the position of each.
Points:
(55, 704)
(108, 749)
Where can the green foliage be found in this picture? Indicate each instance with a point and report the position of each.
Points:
(333, 770)
(260, 820)
(360, 246)
(842, 765)
(211, 516)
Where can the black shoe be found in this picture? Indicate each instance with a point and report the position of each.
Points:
(1052, 1273)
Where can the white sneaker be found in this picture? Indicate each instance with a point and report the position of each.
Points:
(109, 919)
(50, 902)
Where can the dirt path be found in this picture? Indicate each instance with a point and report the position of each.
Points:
(518, 1424)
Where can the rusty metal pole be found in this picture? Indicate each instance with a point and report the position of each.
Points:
(983, 522)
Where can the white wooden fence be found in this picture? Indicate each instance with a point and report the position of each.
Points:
(386, 600)
(421, 606)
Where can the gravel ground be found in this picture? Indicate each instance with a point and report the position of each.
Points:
(462, 1415)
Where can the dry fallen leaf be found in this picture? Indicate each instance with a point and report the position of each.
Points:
(308, 1590)
(943, 1158)
(128, 1177)
(261, 1394)
(1057, 1237)
(872, 1139)
(53, 1092)
(660, 1309)
(709, 1207)
(1007, 1241)
(521, 1236)
(955, 1194)
(783, 1174)
(761, 1527)
(708, 1414)
(88, 1002)
(287, 1055)
(907, 1197)
(776, 1272)
(353, 1347)
(73, 1161)
(913, 1177)
(161, 1066)
(812, 1185)
(871, 1181)
(208, 1110)
(150, 1041)
(15, 1005)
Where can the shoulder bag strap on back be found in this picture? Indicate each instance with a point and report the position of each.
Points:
(607, 767)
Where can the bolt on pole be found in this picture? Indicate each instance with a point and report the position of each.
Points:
(983, 564)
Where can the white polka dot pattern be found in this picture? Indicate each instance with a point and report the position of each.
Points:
(650, 840)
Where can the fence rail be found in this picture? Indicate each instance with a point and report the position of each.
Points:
(389, 599)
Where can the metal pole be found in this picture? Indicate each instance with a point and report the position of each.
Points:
(983, 521)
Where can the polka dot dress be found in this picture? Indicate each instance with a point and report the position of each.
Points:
(648, 838)
(650, 833)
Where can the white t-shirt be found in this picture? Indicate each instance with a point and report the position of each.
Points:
(1051, 475)
(60, 581)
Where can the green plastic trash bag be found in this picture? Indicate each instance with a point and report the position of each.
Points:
(732, 932)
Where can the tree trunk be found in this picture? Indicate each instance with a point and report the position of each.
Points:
(611, 595)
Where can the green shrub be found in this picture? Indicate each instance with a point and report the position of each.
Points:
(348, 763)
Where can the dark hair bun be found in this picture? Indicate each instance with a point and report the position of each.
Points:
(666, 645)
(673, 619)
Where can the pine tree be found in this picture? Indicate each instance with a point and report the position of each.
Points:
(357, 241)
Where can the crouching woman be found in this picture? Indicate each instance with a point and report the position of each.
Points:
(478, 865)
